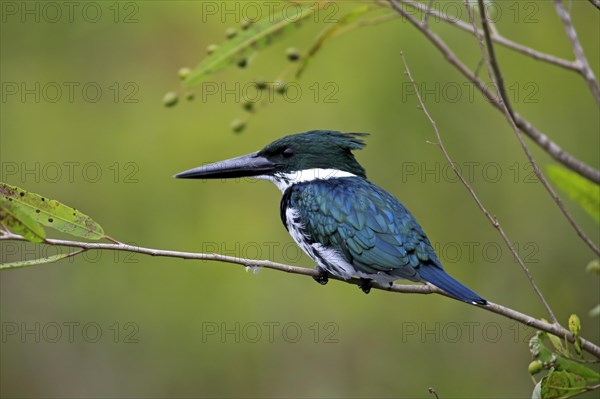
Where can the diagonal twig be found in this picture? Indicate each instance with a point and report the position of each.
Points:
(535, 54)
(512, 314)
(521, 123)
(498, 80)
(542, 140)
(584, 65)
(494, 221)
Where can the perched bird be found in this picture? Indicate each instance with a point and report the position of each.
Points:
(346, 224)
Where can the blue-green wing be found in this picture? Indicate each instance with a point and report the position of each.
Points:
(365, 224)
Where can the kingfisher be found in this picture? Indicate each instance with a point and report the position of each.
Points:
(348, 226)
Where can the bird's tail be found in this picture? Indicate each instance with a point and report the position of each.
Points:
(443, 280)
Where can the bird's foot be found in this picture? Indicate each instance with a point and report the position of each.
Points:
(365, 285)
(323, 277)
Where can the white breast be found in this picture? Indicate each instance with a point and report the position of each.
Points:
(326, 258)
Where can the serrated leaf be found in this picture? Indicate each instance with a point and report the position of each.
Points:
(579, 189)
(52, 213)
(49, 259)
(258, 35)
(19, 222)
(328, 33)
(561, 384)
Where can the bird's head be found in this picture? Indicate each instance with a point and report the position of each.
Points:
(293, 158)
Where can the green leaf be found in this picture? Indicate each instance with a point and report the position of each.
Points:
(51, 213)
(558, 345)
(561, 384)
(19, 222)
(49, 259)
(574, 324)
(258, 35)
(579, 189)
(328, 33)
(549, 359)
(575, 328)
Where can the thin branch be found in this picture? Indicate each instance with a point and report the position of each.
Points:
(586, 70)
(522, 318)
(498, 80)
(492, 220)
(425, 22)
(595, 3)
(542, 140)
(535, 54)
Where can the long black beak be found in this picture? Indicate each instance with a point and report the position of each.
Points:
(244, 166)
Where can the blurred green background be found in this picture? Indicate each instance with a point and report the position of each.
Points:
(116, 325)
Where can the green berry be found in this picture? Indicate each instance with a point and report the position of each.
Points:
(245, 24)
(260, 84)
(238, 125)
(292, 54)
(170, 99)
(535, 367)
(211, 48)
(184, 73)
(280, 87)
(230, 33)
(248, 105)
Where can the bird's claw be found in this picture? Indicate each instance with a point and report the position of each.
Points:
(365, 285)
(322, 278)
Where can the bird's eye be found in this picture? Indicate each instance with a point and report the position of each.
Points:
(288, 152)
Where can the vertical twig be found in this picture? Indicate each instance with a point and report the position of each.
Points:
(498, 80)
(493, 220)
(584, 65)
(538, 137)
(541, 139)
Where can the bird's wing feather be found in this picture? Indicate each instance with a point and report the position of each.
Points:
(366, 225)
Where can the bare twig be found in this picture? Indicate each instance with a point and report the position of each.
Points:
(522, 318)
(492, 220)
(498, 80)
(535, 54)
(553, 149)
(584, 65)
(425, 22)
(595, 3)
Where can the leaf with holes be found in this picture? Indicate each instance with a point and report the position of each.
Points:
(256, 36)
(561, 384)
(19, 222)
(51, 213)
